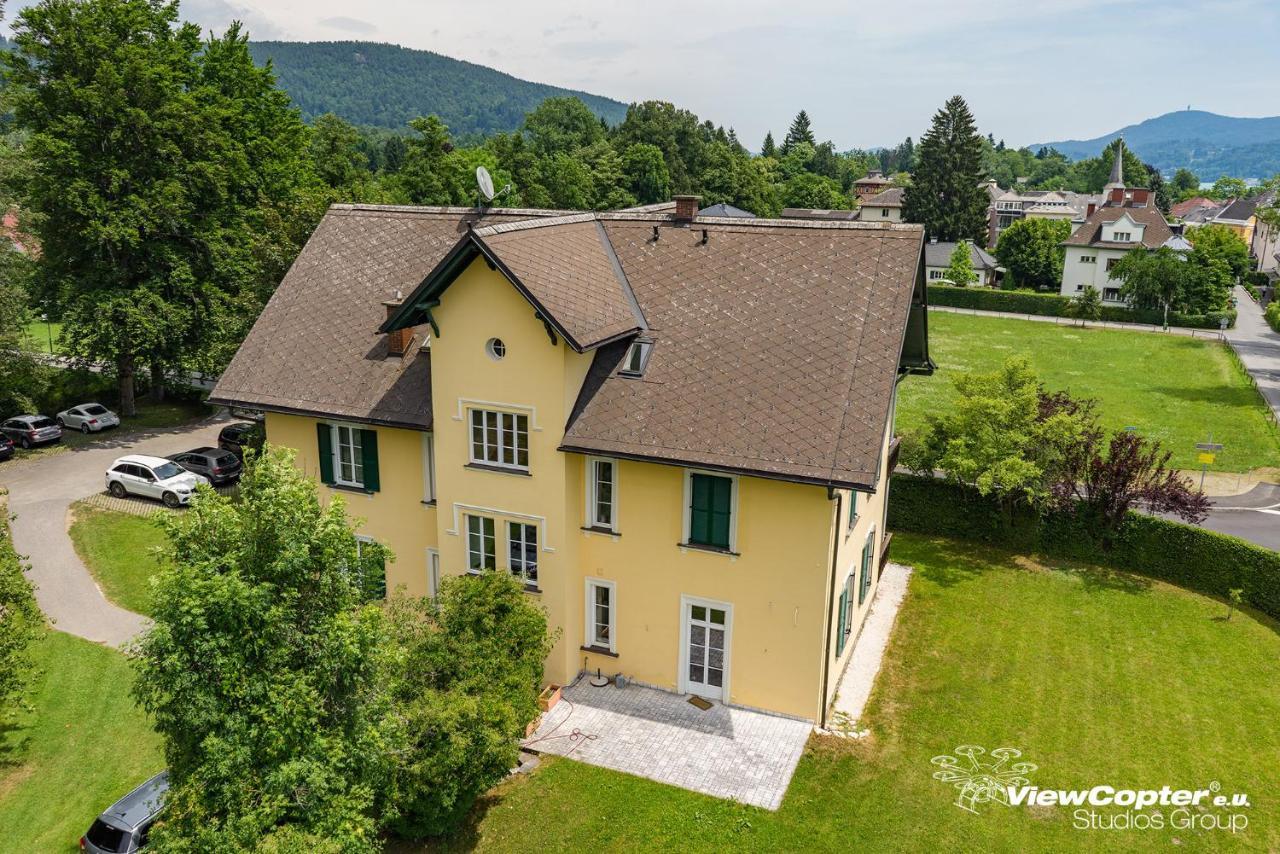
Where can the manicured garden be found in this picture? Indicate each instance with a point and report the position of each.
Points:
(1170, 387)
(119, 549)
(81, 746)
(1100, 678)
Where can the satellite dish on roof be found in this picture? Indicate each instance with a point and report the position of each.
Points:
(485, 181)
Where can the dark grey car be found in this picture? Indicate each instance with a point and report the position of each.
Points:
(29, 430)
(123, 827)
(218, 465)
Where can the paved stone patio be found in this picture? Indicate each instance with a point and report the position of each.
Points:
(725, 752)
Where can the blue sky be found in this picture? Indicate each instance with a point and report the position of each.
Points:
(868, 73)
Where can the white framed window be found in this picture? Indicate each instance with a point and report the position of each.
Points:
(884, 212)
(853, 512)
(602, 493)
(1120, 236)
(348, 455)
(522, 551)
(1088, 259)
(601, 616)
(935, 274)
(481, 544)
(428, 467)
(433, 572)
(500, 439)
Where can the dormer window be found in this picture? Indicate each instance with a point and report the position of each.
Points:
(636, 358)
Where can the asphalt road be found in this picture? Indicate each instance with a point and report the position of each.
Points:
(1253, 516)
(40, 492)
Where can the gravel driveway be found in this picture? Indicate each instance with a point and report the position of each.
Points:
(40, 492)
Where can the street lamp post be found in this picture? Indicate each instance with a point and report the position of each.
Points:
(44, 318)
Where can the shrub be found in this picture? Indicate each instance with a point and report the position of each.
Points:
(1273, 315)
(1056, 305)
(1186, 555)
(20, 622)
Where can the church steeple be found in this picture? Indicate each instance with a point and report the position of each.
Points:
(1117, 169)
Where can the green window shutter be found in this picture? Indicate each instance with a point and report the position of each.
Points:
(840, 621)
(369, 457)
(710, 510)
(324, 436)
(864, 580)
(376, 583)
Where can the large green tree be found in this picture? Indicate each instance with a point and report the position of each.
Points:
(1031, 252)
(265, 673)
(801, 131)
(152, 153)
(1166, 280)
(959, 270)
(945, 195)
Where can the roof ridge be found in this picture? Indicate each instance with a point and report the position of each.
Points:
(526, 224)
(443, 210)
(762, 222)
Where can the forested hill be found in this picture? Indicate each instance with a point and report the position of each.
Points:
(384, 85)
(1206, 143)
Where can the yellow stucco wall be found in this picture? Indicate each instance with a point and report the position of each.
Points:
(778, 582)
(396, 515)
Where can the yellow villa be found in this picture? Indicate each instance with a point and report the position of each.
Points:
(675, 430)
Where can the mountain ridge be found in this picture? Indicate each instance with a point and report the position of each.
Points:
(1209, 144)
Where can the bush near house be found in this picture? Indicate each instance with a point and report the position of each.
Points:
(1056, 305)
(1185, 555)
(1273, 315)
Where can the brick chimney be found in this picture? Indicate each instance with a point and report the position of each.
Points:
(1140, 196)
(686, 207)
(1117, 196)
(398, 342)
(1088, 212)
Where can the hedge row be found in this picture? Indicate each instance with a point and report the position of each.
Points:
(1185, 555)
(1055, 305)
(1272, 314)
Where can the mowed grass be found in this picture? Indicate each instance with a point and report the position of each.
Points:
(41, 334)
(1171, 387)
(82, 745)
(120, 550)
(1099, 678)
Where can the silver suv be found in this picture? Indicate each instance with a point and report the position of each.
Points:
(123, 827)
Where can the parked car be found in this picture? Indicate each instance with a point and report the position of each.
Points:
(152, 477)
(88, 418)
(123, 827)
(241, 435)
(217, 465)
(31, 430)
(6, 447)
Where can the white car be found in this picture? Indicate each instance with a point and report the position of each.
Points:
(88, 418)
(152, 477)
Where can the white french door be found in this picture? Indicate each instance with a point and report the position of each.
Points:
(704, 658)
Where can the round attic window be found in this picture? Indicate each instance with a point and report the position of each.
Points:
(496, 349)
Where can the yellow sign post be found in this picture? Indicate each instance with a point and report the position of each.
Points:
(1207, 458)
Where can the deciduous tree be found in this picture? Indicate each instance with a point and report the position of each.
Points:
(959, 270)
(1031, 252)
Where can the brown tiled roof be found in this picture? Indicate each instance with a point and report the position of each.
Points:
(890, 198)
(314, 348)
(1157, 231)
(776, 348)
(569, 271)
(818, 213)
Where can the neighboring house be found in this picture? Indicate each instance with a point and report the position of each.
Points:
(1241, 216)
(1127, 220)
(870, 184)
(1189, 207)
(819, 214)
(1266, 237)
(728, 210)
(695, 492)
(885, 206)
(937, 258)
(1014, 205)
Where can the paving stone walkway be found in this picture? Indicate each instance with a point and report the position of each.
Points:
(724, 752)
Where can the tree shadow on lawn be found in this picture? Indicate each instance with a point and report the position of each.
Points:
(465, 838)
(1238, 397)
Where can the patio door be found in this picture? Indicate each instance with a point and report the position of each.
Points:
(705, 655)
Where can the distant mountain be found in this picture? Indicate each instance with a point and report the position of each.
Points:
(384, 85)
(1206, 143)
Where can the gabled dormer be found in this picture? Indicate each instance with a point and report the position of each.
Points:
(1123, 230)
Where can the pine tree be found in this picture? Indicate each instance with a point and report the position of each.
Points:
(768, 149)
(945, 195)
(799, 132)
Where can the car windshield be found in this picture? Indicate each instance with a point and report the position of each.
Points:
(42, 421)
(168, 470)
(95, 409)
(106, 837)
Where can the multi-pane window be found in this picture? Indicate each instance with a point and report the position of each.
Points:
(1121, 236)
(602, 494)
(428, 467)
(710, 510)
(348, 455)
(522, 551)
(600, 615)
(481, 552)
(372, 568)
(844, 615)
(868, 556)
(500, 438)
(853, 511)
(1088, 259)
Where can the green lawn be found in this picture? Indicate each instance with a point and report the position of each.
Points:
(119, 549)
(81, 746)
(1099, 678)
(39, 333)
(1172, 388)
